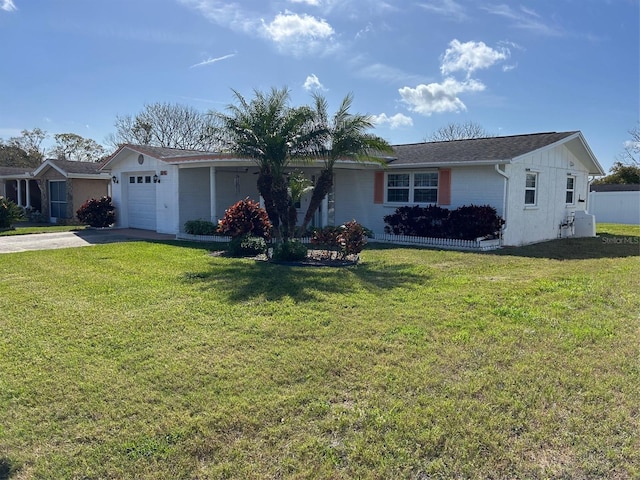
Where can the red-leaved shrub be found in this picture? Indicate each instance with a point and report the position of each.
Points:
(245, 218)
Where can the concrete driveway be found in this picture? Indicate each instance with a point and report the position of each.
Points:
(82, 238)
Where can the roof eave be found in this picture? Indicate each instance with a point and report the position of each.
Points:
(464, 163)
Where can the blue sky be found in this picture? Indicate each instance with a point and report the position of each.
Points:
(512, 67)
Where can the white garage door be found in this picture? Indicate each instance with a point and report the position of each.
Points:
(141, 201)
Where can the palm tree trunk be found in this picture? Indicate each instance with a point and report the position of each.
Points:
(320, 190)
(265, 188)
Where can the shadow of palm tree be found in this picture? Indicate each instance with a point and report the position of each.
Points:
(240, 280)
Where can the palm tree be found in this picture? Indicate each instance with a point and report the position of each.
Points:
(269, 131)
(343, 137)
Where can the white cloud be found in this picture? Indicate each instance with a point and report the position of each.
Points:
(229, 15)
(212, 60)
(298, 34)
(524, 18)
(8, 6)
(439, 97)
(395, 121)
(385, 73)
(313, 3)
(448, 8)
(312, 83)
(470, 56)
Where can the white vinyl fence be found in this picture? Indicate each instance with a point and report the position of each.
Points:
(615, 207)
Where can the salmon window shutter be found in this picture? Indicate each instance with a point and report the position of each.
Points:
(444, 186)
(378, 187)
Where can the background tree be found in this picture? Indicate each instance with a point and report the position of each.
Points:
(272, 133)
(12, 156)
(344, 136)
(166, 125)
(631, 154)
(25, 150)
(458, 131)
(621, 173)
(70, 146)
(31, 142)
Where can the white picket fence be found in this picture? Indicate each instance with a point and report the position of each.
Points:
(445, 243)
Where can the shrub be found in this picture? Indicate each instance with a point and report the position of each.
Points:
(247, 246)
(289, 251)
(97, 212)
(474, 221)
(417, 221)
(245, 218)
(347, 239)
(467, 222)
(326, 236)
(352, 238)
(9, 213)
(200, 227)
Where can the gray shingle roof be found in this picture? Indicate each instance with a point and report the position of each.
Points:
(76, 167)
(15, 170)
(474, 150)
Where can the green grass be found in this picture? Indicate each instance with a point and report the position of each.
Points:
(150, 360)
(20, 229)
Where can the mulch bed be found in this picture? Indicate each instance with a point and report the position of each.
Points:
(315, 258)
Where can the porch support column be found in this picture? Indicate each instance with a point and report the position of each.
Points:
(27, 182)
(212, 192)
(19, 182)
(324, 220)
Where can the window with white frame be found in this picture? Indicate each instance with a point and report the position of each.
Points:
(531, 189)
(412, 187)
(571, 188)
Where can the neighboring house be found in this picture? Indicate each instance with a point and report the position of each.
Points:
(615, 203)
(536, 182)
(57, 188)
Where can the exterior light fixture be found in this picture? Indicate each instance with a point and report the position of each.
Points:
(156, 179)
(114, 179)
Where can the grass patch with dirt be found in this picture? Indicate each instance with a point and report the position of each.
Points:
(151, 360)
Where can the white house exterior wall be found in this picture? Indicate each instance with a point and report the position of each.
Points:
(354, 190)
(166, 210)
(478, 186)
(530, 224)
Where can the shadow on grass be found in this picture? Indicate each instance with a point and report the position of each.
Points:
(240, 280)
(7, 469)
(603, 246)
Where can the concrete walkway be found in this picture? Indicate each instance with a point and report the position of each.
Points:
(81, 238)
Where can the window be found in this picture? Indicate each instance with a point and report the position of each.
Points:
(58, 199)
(530, 189)
(132, 179)
(139, 179)
(425, 187)
(147, 179)
(398, 187)
(571, 188)
(412, 187)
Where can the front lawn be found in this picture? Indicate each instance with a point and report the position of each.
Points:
(150, 360)
(28, 229)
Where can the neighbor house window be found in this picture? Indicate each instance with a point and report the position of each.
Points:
(414, 187)
(571, 188)
(58, 199)
(530, 189)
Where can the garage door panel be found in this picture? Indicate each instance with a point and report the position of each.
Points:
(141, 202)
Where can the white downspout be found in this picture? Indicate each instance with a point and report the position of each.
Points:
(504, 196)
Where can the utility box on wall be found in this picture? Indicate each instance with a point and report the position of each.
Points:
(584, 224)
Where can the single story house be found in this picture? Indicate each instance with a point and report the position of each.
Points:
(56, 189)
(538, 183)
